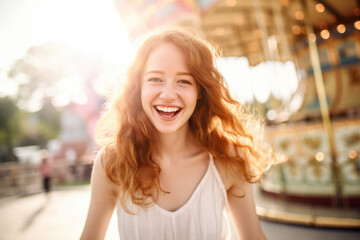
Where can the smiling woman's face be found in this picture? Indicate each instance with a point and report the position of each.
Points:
(168, 92)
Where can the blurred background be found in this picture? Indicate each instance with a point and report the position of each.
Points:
(295, 62)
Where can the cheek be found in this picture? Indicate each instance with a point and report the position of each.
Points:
(192, 97)
(146, 97)
(196, 93)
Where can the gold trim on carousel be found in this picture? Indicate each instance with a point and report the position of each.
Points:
(308, 220)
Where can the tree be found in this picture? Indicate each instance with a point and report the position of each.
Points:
(42, 126)
(40, 71)
(11, 126)
(39, 75)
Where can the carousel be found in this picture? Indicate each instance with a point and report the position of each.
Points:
(305, 55)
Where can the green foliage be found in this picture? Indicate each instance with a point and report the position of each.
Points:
(44, 126)
(49, 118)
(39, 75)
(21, 128)
(11, 120)
(11, 125)
(7, 110)
(17, 123)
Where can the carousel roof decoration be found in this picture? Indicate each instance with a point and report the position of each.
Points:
(257, 29)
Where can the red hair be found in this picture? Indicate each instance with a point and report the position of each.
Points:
(219, 123)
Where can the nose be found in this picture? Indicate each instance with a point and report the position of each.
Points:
(168, 92)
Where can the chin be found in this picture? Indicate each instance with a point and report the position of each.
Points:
(169, 129)
(166, 130)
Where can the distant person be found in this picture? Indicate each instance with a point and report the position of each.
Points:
(46, 170)
(179, 153)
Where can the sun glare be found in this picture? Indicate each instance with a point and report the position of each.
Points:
(70, 89)
(232, 68)
(91, 26)
(247, 83)
(96, 27)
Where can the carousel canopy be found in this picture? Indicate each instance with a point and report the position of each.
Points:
(261, 30)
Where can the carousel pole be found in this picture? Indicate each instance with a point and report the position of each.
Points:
(320, 89)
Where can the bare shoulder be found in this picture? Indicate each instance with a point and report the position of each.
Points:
(103, 199)
(224, 174)
(99, 176)
(230, 180)
(104, 154)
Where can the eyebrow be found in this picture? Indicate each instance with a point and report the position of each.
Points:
(161, 72)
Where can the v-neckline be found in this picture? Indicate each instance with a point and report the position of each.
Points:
(187, 202)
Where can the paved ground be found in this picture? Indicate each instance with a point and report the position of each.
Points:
(62, 216)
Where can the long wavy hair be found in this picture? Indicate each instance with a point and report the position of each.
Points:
(219, 123)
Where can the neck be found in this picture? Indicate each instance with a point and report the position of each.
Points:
(174, 146)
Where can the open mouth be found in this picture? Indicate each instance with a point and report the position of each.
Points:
(168, 112)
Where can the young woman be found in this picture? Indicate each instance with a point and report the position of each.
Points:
(180, 153)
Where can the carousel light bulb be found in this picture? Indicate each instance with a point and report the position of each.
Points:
(319, 156)
(320, 7)
(341, 28)
(299, 15)
(325, 34)
(296, 29)
(352, 154)
(357, 25)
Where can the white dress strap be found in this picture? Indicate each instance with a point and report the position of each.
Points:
(217, 175)
(229, 227)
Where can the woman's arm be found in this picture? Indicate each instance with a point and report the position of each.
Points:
(102, 204)
(243, 212)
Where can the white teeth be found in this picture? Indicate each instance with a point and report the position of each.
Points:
(167, 109)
